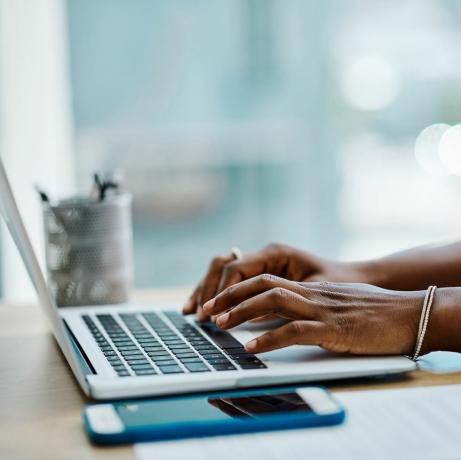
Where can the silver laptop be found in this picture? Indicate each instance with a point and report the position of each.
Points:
(133, 350)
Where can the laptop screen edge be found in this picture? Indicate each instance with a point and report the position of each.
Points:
(15, 224)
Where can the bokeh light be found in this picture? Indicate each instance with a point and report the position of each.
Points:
(427, 149)
(450, 149)
(370, 83)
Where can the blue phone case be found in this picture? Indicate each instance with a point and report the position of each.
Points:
(181, 430)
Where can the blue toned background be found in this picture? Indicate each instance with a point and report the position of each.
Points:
(237, 122)
(245, 122)
(219, 113)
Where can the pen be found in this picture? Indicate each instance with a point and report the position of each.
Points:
(101, 187)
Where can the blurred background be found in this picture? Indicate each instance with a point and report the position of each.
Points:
(237, 122)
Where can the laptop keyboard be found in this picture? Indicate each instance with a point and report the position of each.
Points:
(145, 344)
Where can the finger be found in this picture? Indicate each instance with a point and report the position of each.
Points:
(247, 267)
(293, 333)
(200, 314)
(211, 281)
(272, 259)
(234, 295)
(191, 305)
(282, 302)
(265, 318)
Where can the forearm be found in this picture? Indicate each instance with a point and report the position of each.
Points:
(417, 268)
(443, 331)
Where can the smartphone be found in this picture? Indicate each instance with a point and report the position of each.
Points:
(217, 414)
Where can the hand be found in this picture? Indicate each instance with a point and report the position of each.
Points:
(345, 318)
(275, 259)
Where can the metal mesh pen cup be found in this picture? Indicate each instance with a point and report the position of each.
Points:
(89, 250)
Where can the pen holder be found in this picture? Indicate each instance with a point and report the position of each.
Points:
(89, 250)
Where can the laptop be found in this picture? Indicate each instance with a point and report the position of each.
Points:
(135, 350)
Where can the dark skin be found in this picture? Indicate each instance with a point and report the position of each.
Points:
(370, 307)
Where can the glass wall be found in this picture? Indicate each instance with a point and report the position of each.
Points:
(241, 122)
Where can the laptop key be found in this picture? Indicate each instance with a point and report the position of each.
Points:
(118, 366)
(145, 372)
(212, 355)
(171, 338)
(180, 349)
(190, 360)
(127, 348)
(136, 360)
(161, 358)
(220, 337)
(123, 373)
(218, 361)
(118, 335)
(248, 360)
(204, 346)
(172, 315)
(151, 340)
(166, 362)
(171, 369)
(208, 351)
(196, 367)
(183, 351)
(259, 365)
(143, 336)
(166, 337)
(123, 342)
(133, 353)
(141, 366)
(151, 315)
(236, 351)
(110, 353)
(175, 343)
(153, 348)
(158, 353)
(181, 354)
(198, 340)
(106, 348)
(224, 367)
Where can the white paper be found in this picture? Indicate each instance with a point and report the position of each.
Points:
(416, 423)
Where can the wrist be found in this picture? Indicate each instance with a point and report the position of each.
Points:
(371, 272)
(444, 326)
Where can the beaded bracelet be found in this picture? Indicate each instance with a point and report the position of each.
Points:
(426, 311)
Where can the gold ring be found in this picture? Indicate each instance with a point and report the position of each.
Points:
(236, 253)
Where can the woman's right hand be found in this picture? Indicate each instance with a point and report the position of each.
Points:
(276, 259)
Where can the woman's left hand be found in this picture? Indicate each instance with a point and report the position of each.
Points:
(341, 317)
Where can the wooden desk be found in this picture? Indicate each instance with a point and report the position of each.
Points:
(41, 404)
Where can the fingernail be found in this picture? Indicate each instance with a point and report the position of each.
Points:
(209, 305)
(251, 345)
(222, 319)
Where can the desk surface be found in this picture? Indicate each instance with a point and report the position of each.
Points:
(41, 403)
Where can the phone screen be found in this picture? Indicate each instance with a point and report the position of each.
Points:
(209, 409)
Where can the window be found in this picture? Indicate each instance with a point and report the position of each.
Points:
(241, 122)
